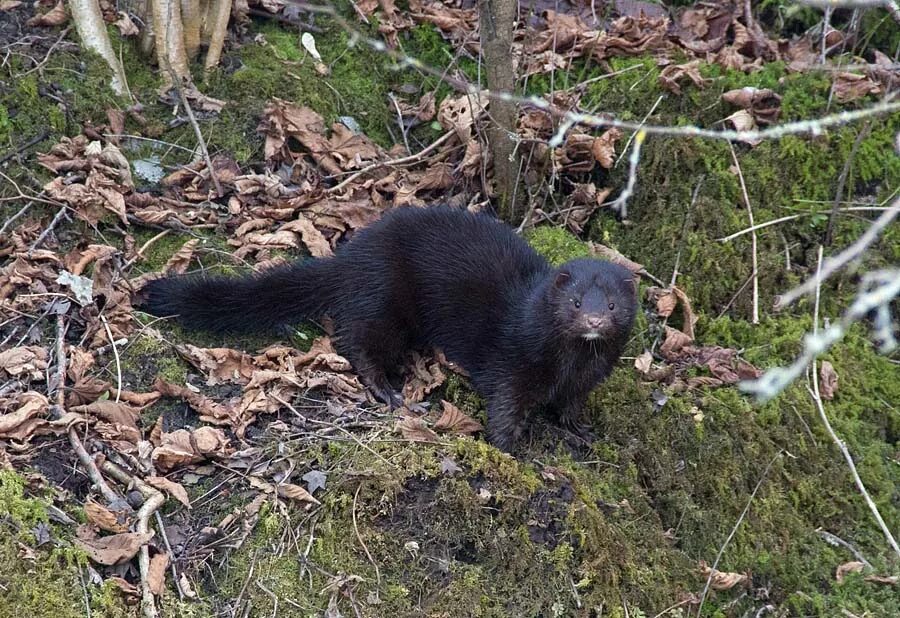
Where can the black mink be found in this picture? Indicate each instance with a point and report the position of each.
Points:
(531, 336)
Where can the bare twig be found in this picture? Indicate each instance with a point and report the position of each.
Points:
(734, 530)
(836, 540)
(360, 539)
(201, 142)
(40, 239)
(842, 180)
(620, 204)
(86, 460)
(753, 247)
(833, 264)
(402, 160)
(842, 446)
(24, 146)
(153, 499)
(761, 226)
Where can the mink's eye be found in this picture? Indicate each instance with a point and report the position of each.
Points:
(576, 302)
(612, 306)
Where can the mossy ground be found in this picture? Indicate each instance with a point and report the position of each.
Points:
(617, 531)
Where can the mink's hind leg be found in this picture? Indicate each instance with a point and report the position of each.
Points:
(374, 348)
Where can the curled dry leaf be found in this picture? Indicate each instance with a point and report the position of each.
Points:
(603, 147)
(103, 518)
(644, 362)
(176, 490)
(828, 380)
(850, 86)
(415, 429)
(762, 103)
(454, 420)
(675, 340)
(182, 447)
(848, 567)
(54, 17)
(179, 262)
(719, 580)
(26, 418)
(889, 580)
(114, 549)
(672, 74)
(295, 492)
(156, 574)
(24, 361)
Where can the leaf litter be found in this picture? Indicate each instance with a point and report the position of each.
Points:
(320, 185)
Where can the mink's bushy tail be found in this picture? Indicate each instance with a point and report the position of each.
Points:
(252, 303)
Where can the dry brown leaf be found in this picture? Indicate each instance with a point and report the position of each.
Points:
(103, 518)
(182, 447)
(220, 365)
(295, 492)
(603, 147)
(156, 574)
(670, 76)
(25, 361)
(27, 417)
(889, 580)
(176, 490)
(720, 580)
(54, 17)
(644, 362)
(675, 340)
(8, 5)
(415, 429)
(426, 375)
(762, 103)
(454, 420)
(848, 567)
(313, 239)
(125, 25)
(850, 86)
(114, 549)
(179, 262)
(828, 380)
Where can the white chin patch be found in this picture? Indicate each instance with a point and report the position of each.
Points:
(591, 336)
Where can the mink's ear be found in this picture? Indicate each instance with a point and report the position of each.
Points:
(632, 283)
(562, 278)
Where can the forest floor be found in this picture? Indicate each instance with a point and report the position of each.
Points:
(285, 490)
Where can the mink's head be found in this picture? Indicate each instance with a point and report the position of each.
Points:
(593, 299)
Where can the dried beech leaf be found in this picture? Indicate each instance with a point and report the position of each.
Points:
(103, 518)
(295, 492)
(828, 380)
(176, 490)
(848, 567)
(644, 362)
(720, 580)
(454, 420)
(156, 574)
(114, 549)
(415, 429)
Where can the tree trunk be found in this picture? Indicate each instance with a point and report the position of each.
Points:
(497, 23)
(92, 31)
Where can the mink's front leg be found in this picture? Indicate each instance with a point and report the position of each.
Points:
(506, 420)
(572, 418)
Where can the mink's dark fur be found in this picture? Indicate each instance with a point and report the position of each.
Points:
(530, 336)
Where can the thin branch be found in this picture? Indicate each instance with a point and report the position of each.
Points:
(842, 446)
(620, 204)
(833, 264)
(761, 226)
(201, 142)
(842, 180)
(755, 275)
(734, 530)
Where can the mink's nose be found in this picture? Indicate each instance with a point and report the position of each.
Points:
(594, 321)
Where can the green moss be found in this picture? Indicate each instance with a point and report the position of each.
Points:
(47, 581)
(556, 244)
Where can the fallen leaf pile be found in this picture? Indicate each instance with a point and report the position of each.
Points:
(678, 354)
